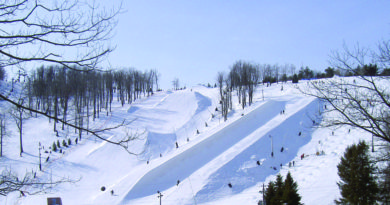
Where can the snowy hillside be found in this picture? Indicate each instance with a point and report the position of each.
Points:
(199, 168)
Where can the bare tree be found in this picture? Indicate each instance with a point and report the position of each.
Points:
(361, 102)
(220, 80)
(52, 30)
(10, 182)
(224, 94)
(175, 84)
(3, 132)
(68, 33)
(71, 34)
(19, 115)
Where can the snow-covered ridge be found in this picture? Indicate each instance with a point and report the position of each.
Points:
(223, 152)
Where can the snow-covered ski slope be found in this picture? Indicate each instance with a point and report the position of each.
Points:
(203, 164)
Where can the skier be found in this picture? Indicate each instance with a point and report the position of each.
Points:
(177, 145)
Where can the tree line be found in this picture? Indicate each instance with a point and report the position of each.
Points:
(52, 88)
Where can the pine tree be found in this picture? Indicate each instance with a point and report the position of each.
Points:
(64, 143)
(356, 171)
(384, 184)
(279, 185)
(270, 193)
(290, 192)
(295, 78)
(58, 144)
(54, 147)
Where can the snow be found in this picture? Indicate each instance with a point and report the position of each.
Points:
(204, 163)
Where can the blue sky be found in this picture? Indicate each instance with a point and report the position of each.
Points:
(194, 40)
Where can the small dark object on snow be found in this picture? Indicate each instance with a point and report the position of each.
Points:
(299, 134)
(47, 159)
(46, 151)
(197, 131)
(54, 201)
(230, 185)
(272, 154)
(314, 122)
(302, 156)
(216, 109)
(283, 111)
(274, 168)
(332, 133)
(178, 182)
(242, 114)
(349, 130)
(112, 192)
(258, 162)
(177, 145)
(147, 162)
(160, 155)
(60, 150)
(281, 150)
(22, 193)
(188, 139)
(293, 163)
(103, 188)
(281, 165)
(289, 164)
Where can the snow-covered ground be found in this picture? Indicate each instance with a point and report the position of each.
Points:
(203, 164)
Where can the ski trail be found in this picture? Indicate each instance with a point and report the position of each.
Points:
(184, 164)
(238, 165)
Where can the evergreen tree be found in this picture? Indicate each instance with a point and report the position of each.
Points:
(282, 192)
(279, 184)
(290, 192)
(64, 143)
(356, 171)
(270, 193)
(384, 184)
(295, 78)
(54, 147)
